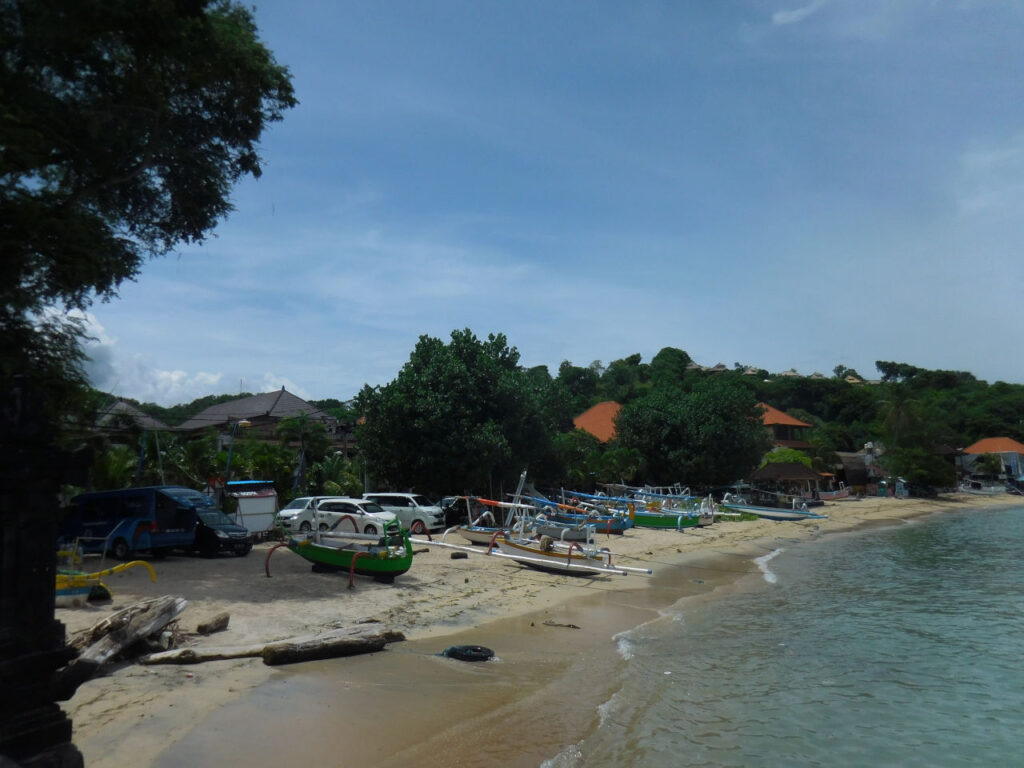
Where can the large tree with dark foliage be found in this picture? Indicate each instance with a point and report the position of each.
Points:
(710, 435)
(462, 416)
(124, 125)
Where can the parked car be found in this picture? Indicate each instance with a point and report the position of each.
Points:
(216, 533)
(299, 514)
(414, 511)
(367, 515)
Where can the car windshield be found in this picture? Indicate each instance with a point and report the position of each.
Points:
(214, 517)
(423, 501)
(188, 496)
(373, 508)
(299, 503)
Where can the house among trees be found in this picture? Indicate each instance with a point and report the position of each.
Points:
(263, 412)
(121, 416)
(1009, 451)
(786, 431)
(599, 420)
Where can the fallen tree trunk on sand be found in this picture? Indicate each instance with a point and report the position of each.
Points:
(366, 638)
(109, 637)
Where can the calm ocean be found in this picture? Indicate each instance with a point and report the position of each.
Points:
(896, 647)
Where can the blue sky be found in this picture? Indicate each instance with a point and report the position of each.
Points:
(786, 184)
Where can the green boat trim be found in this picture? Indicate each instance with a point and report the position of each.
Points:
(381, 557)
(665, 520)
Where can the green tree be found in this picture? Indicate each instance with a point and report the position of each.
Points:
(668, 367)
(124, 125)
(709, 436)
(461, 416)
(335, 475)
(787, 456)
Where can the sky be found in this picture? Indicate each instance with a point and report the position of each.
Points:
(788, 184)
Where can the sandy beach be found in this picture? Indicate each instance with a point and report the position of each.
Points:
(138, 714)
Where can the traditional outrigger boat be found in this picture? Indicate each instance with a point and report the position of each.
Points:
(522, 517)
(739, 505)
(381, 557)
(650, 509)
(546, 554)
(75, 588)
(582, 513)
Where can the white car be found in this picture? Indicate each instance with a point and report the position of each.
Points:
(342, 514)
(414, 511)
(300, 513)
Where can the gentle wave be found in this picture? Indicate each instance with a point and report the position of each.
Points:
(569, 758)
(762, 563)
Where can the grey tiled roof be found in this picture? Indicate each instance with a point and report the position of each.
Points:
(276, 405)
(120, 411)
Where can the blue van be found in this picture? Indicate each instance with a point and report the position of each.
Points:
(154, 519)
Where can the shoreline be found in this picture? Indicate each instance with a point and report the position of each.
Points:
(139, 713)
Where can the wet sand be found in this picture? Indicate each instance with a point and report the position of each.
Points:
(407, 703)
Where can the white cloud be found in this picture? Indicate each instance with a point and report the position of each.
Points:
(991, 178)
(780, 18)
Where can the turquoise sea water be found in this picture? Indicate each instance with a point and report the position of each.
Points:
(895, 647)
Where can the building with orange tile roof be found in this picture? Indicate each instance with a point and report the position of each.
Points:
(599, 420)
(786, 431)
(1009, 451)
(995, 445)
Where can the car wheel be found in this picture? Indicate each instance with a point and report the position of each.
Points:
(120, 549)
(243, 551)
(322, 527)
(370, 529)
(305, 527)
(418, 527)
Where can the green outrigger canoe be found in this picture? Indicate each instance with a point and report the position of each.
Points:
(381, 557)
(702, 513)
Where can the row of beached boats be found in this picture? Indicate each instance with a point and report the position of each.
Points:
(535, 531)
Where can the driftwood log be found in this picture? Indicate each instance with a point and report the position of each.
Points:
(107, 638)
(366, 638)
(217, 624)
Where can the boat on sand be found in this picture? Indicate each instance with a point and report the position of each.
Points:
(381, 557)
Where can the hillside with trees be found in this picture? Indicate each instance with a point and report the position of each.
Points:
(464, 416)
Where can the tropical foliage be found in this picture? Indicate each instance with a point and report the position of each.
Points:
(464, 416)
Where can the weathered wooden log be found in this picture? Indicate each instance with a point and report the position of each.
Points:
(365, 638)
(217, 624)
(118, 632)
(198, 655)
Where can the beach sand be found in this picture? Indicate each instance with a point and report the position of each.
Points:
(196, 714)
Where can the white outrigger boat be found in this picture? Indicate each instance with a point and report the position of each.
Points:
(546, 554)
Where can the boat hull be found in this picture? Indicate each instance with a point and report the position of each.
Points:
(533, 554)
(769, 513)
(477, 534)
(616, 525)
(379, 562)
(666, 520)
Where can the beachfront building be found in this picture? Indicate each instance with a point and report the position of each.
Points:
(787, 479)
(786, 431)
(599, 420)
(1009, 451)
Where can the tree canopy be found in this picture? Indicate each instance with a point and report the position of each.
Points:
(461, 416)
(124, 125)
(710, 435)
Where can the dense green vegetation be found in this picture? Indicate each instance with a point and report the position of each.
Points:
(125, 125)
(465, 416)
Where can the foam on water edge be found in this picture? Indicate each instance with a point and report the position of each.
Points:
(762, 563)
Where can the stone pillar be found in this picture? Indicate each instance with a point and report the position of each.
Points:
(34, 731)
